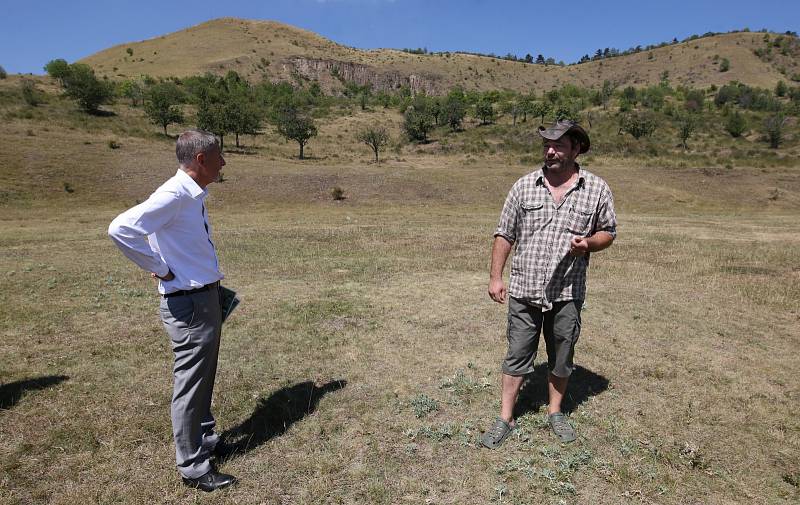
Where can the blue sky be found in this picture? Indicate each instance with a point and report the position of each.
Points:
(32, 32)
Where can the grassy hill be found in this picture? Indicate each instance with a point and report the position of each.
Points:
(258, 49)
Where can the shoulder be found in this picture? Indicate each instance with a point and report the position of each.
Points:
(526, 183)
(594, 182)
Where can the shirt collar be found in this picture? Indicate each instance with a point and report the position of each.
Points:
(540, 176)
(190, 185)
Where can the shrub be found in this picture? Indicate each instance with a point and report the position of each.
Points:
(3, 73)
(725, 65)
(773, 128)
(417, 124)
(736, 124)
(113, 144)
(337, 193)
(638, 124)
(30, 94)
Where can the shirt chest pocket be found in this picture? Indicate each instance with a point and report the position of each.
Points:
(534, 215)
(580, 219)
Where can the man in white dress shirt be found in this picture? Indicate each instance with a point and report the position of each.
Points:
(169, 236)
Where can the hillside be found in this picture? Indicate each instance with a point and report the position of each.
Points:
(258, 49)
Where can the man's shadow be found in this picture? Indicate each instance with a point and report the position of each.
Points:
(583, 383)
(11, 393)
(274, 415)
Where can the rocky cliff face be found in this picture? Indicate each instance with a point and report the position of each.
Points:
(324, 70)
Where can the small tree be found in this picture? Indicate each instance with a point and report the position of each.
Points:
(686, 126)
(294, 126)
(211, 117)
(724, 65)
(781, 89)
(694, 100)
(454, 110)
(773, 127)
(162, 105)
(736, 124)
(484, 110)
(82, 85)
(131, 90)
(57, 69)
(375, 137)
(638, 124)
(541, 110)
(417, 124)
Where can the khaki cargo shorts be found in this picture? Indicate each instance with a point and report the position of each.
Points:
(561, 327)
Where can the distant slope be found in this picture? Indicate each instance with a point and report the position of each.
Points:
(257, 49)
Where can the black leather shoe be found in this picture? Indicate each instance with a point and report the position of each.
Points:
(223, 450)
(211, 481)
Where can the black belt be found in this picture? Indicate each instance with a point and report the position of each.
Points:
(184, 292)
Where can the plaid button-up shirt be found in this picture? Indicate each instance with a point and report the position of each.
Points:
(542, 270)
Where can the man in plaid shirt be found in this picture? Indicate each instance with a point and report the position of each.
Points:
(556, 217)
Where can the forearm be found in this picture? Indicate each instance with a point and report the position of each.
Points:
(500, 251)
(135, 247)
(599, 241)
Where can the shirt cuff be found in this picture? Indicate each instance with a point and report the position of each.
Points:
(506, 236)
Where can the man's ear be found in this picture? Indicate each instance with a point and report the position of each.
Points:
(200, 158)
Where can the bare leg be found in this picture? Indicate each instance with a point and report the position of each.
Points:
(511, 385)
(556, 387)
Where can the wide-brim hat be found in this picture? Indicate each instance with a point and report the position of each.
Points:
(561, 128)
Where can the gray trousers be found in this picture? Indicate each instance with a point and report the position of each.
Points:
(194, 324)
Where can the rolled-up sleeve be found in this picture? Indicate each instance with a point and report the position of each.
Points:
(130, 229)
(507, 227)
(606, 216)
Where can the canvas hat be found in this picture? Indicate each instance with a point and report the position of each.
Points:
(560, 128)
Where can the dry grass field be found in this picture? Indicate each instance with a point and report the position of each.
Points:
(363, 363)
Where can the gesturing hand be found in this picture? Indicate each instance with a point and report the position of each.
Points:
(578, 246)
(167, 277)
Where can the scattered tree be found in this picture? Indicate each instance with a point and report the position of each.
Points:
(484, 110)
(773, 127)
(417, 124)
(686, 126)
(781, 89)
(736, 124)
(541, 109)
(162, 105)
(294, 126)
(454, 109)
(57, 69)
(641, 124)
(131, 90)
(376, 137)
(82, 85)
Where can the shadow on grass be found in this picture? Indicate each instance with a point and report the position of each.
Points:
(583, 383)
(11, 393)
(274, 415)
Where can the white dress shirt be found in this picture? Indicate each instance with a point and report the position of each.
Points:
(170, 232)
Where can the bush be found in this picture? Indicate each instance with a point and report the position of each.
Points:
(638, 124)
(82, 85)
(337, 193)
(773, 128)
(725, 65)
(3, 73)
(736, 124)
(30, 94)
(417, 125)
(113, 144)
